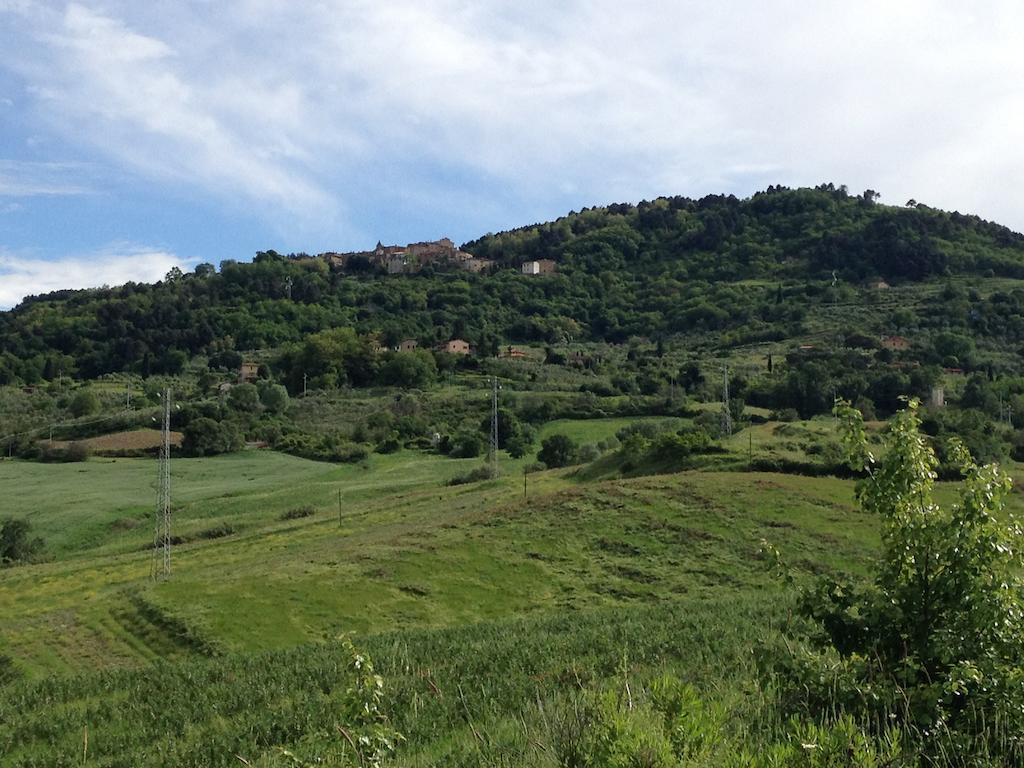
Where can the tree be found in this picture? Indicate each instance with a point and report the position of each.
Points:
(416, 369)
(84, 403)
(936, 635)
(274, 398)
(557, 451)
(206, 437)
(245, 398)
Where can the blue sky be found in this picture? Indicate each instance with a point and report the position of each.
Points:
(135, 137)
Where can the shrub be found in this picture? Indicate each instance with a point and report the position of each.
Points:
(329, 447)
(206, 437)
(8, 672)
(297, 513)
(482, 472)
(78, 451)
(558, 451)
(17, 545)
(84, 403)
(217, 532)
(588, 453)
(466, 445)
(390, 444)
(410, 369)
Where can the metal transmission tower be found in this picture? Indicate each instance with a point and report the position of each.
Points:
(162, 536)
(494, 426)
(726, 413)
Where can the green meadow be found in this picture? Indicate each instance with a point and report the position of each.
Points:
(488, 606)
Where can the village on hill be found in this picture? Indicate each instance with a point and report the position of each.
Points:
(411, 258)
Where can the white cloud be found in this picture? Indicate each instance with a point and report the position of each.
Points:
(29, 179)
(24, 275)
(306, 110)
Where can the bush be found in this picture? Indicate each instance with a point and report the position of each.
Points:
(588, 453)
(329, 447)
(390, 444)
(17, 545)
(217, 532)
(679, 446)
(785, 414)
(473, 476)
(558, 451)
(416, 369)
(206, 437)
(466, 445)
(78, 451)
(8, 672)
(84, 403)
(297, 513)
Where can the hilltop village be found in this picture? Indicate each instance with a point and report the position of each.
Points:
(411, 258)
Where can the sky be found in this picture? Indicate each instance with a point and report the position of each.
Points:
(139, 136)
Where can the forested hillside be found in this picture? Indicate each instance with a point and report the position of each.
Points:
(737, 271)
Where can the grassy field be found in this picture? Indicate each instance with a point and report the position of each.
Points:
(492, 599)
(407, 550)
(486, 604)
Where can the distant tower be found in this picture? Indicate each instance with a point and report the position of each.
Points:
(162, 536)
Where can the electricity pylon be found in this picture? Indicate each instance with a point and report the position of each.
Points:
(162, 536)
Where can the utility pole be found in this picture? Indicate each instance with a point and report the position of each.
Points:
(339, 507)
(162, 535)
(726, 413)
(128, 396)
(304, 385)
(494, 426)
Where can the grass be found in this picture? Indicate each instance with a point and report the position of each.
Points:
(407, 552)
(493, 600)
(484, 608)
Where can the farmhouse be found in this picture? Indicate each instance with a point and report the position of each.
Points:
(455, 347)
(475, 265)
(408, 345)
(895, 343)
(249, 372)
(539, 267)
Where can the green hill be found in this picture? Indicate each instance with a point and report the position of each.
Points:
(754, 268)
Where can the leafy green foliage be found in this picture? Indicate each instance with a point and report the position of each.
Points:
(244, 398)
(411, 370)
(558, 451)
(84, 403)
(274, 398)
(207, 437)
(17, 545)
(661, 267)
(936, 637)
